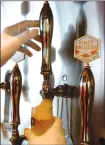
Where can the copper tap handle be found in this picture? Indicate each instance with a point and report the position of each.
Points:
(46, 30)
(87, 86)
(15, 89)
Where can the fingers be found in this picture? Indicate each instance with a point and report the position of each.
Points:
(58, 122)
(21, 26)
(58, 126)
(25, 51)
(29, 134)
(32, 45)
(27, 24)
(27, 35)
(37, 38)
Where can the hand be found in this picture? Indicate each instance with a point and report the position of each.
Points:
(55, 134)
(13, 36)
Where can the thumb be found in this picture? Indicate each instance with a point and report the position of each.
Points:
(29, 134)
(58, 122)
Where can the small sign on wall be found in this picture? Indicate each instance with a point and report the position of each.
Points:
(87, 48)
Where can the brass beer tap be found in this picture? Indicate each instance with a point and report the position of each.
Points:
(46, 32)
(14, 86)
(87, 88)
(15, 89)
(86, 49)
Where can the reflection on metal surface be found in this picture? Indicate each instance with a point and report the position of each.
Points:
(46, 31)
(15, 89)
(8, 107)
(86, 103)
(14, 81)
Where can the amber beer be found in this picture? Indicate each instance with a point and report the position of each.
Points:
(42, 117)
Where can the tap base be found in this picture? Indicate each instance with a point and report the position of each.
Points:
(17, 140)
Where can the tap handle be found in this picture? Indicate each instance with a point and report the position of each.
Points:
(87, 86)
(15, 90)
(46, 30)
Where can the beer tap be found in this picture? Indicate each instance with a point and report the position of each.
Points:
(46, 32)
(15, 89)
(14, 86)
(87, 48)
(87, 88)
